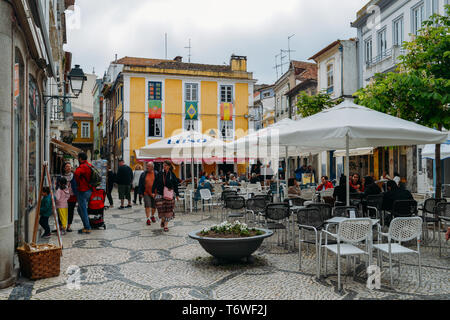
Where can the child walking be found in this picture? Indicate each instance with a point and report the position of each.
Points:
(62, 196)
(45, 212)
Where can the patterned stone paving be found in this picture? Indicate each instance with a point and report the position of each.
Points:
(130, 260)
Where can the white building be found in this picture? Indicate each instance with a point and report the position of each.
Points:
(337, 68)
(382, 26)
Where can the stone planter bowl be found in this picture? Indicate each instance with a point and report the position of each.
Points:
(231, 249)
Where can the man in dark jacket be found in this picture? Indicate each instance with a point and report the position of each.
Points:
(110, 186)
(394, 193)
(124, 178)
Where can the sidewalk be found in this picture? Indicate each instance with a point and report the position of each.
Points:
(130, 260)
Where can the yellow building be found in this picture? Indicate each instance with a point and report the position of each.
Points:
(84, 139)
(155, 99)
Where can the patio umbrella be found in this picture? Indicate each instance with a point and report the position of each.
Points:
(349, 125)
(429, 150)
(265, 143)
(185, 146)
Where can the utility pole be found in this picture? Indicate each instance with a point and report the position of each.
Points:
(189, 47)
(165, 43)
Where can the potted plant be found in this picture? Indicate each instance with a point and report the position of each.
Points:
(230, 241)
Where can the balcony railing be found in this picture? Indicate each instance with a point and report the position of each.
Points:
(393, 52)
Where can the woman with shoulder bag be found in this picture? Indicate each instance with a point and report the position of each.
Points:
(165, 189)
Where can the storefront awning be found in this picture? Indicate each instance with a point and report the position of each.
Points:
(354, 152)
(66, 148)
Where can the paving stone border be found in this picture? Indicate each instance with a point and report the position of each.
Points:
(130, 260)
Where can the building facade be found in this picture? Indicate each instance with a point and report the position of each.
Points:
(29, 35)
(153, 99)
(382, 27)
(298, 72)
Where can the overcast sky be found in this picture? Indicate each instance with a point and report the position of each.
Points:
(257, 29)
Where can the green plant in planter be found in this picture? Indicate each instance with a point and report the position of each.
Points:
(226, 228)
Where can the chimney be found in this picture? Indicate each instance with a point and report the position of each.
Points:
(238, 63)
(178, 59)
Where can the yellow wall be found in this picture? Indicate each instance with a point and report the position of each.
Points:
(118, 103)
(173, 96)
(84, 140)
(174, 109)
(136, 131)
(208, 106)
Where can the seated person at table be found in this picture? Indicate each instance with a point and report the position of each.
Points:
(254, 179)
(393, 194)
(340, 192)
(325, 184)
(293, 188)
(242, 178)
(370, 187)
(355, 183)
(203, 184)
(233, 182)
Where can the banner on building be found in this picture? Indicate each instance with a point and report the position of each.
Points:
(16, 84)
(226, 111)
(191, 109)
(154, 109)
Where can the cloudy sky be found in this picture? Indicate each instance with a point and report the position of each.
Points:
(257, 29)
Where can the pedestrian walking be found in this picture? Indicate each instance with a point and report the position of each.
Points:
(145, 187)
(164, 188)
(62, 195)
(45, 212)
(136, 176)
(124, 180)
(111, 178)
(72, 201)
(84, 191)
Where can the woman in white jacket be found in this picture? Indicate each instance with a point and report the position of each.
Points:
(136, 175)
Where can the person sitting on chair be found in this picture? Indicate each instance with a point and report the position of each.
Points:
(394, 193)
(293, 188)
(325, 184)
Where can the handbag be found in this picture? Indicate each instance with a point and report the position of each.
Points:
(167, 194)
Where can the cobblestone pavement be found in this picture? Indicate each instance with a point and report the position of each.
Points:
(130, 260)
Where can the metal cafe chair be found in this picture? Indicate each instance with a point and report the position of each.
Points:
(277, 218)
(235, 204)
(350, 232)
(429, 215)
(443, 212)
(310, 220)
(400, 230)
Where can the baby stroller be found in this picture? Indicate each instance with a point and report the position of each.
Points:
(96, 208)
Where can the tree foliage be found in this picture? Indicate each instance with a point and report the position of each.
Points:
(308, 105)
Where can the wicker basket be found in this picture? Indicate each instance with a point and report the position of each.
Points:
(39, 261)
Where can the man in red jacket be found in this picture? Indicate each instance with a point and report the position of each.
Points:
(325, 184)
(84, 190)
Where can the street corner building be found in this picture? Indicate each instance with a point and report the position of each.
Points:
(148, 100)
(32, 66)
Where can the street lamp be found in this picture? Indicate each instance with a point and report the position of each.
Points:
(76, 79)
(74, 128)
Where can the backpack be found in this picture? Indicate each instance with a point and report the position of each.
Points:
(96, 178)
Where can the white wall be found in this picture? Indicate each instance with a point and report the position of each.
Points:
(85, 100)
(397, 9)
